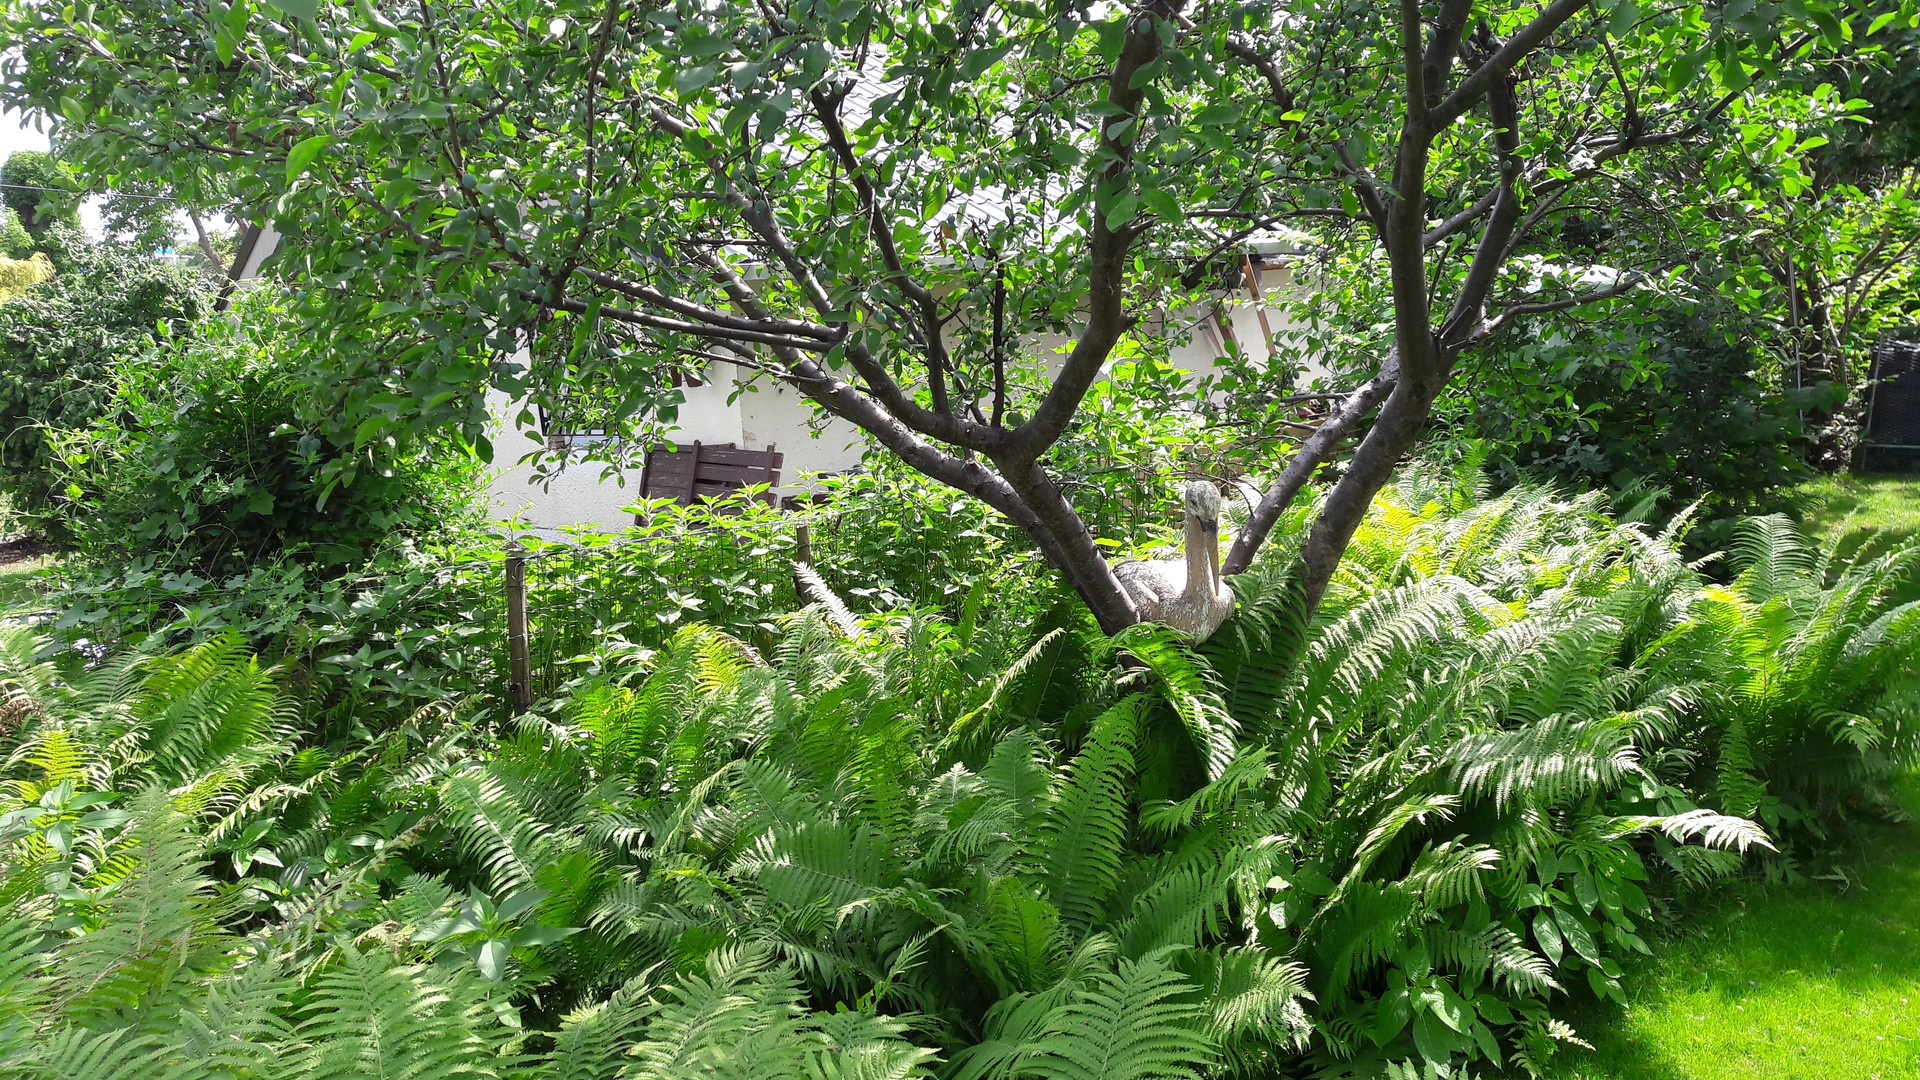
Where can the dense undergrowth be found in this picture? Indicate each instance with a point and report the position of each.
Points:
(980, 843)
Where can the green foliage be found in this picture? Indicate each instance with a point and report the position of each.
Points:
(206, 458)
(15, 241)
(417, 623)
(1692, 416)
(40, 190)
(1774, 980)
(1072, 174)
(1516, 736)
(62, 343)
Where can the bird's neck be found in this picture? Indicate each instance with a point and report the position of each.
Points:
(1203, 557)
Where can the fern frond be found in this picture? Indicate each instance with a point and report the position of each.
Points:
(370, 1017)
(1087, 822)
(1134, 1023)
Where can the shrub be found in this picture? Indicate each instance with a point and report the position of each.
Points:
(15, 241)
(423, 620)
(61, 344)
(40, 191)
(207, 457)
(1681, 404)
(19, 275)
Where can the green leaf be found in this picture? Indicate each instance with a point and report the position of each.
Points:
(1216, 115)
(1488, 1044)
(520, 902)
(492, 958)
(1545, 932)
(1163, 203)
(1448, 1006)
(1436, 1042)
(1685, 69)
(694, 79)
(1577, 936)
(1830, 27)
(1623, 18)
(299, 9)
(237, 18)
(303, 154)
(542, 935)
(105, 819)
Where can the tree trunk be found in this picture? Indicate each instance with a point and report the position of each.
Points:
(1394, 432)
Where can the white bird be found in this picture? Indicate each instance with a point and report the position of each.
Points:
(1185, 594)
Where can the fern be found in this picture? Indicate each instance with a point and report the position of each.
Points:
(150, 923)
(1135, 1022)
(742, 1018)
(1087, 821)
(371, 1018)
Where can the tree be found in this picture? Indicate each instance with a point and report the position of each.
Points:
(60, 344)
(877, 204)
(35, 186)
(1839, 242)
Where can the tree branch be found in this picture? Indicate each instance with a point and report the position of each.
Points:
(1106, 247)
(1314, 452)
(1514, 312)
(1496, 67)
(1442, 47)
(1491, 253)
(827, 108)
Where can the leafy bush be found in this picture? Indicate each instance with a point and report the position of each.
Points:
(1679, 405)
(420, 622)
(19, 275)
(62, 342)
(40, 191)
(15, 241)
(1513, 738)
(206, 458)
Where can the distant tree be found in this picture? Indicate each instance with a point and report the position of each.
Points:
(61, 340)
(139, 213)
(876, 203)
(15, 241)
(38, 189)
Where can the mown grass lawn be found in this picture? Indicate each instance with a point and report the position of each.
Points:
(1811, 981)
(1844, 507)
(1847, 511)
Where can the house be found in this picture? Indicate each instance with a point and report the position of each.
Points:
(586, 492)
(775, 416)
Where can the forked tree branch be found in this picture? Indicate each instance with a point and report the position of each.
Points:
(1317, 450)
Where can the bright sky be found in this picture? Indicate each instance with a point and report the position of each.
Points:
(17, 133)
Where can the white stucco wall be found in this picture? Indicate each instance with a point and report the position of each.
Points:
(584, 492)
(776, 415)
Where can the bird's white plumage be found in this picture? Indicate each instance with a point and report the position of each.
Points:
(1185, 593)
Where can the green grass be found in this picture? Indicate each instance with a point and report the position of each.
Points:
(1845, 512)
(1838, 508)
(1804, 982)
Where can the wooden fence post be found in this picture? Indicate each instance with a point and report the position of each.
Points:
(802, 556)
(520, 664)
